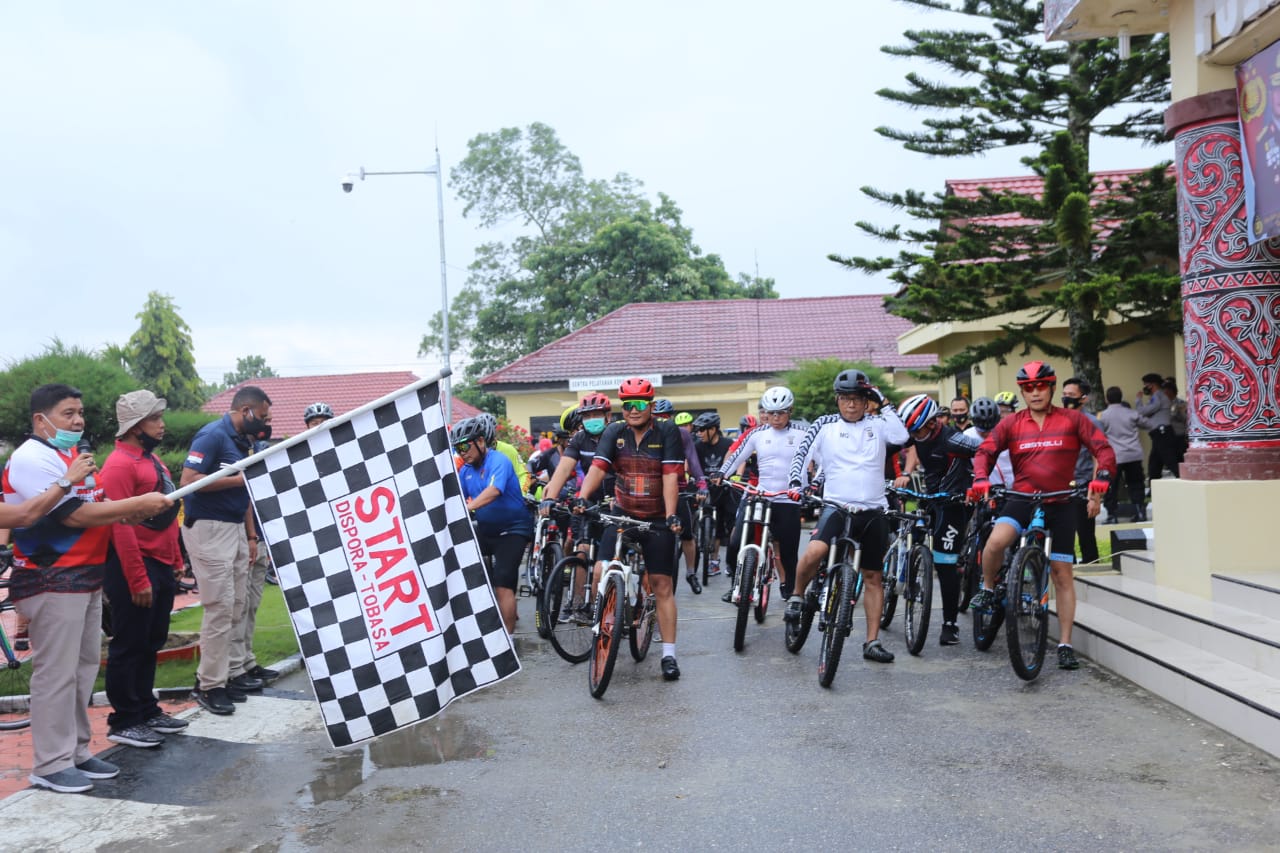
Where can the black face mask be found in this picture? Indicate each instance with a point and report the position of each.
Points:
(1070, 402)
(148, 443)
(264, 434)
(251, 425)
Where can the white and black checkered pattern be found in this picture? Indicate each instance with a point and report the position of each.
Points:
(403, 441)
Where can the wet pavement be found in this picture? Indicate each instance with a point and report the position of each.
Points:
(942, 751)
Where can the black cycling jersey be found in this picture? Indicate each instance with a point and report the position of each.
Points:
(947, 460)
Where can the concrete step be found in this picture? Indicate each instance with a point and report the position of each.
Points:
(1257, 592)
(1233, 697)
(1240, 636)
(1140, 565)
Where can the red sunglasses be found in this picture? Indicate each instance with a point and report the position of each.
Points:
(1036, 386)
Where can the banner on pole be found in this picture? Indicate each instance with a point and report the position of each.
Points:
(380, 568)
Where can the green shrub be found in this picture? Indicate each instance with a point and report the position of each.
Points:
(99, 380)
(180, 428)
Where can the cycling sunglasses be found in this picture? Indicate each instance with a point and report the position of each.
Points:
(1036, 386)
(462, 447)
(635, 405)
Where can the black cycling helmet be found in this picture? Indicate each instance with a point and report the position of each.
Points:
(851, 382)
(662, 406)
(1037, 371)
(317, 410)
(489, 426)
(467, 429)
(560, 434)
(984, 413)
(706, 420)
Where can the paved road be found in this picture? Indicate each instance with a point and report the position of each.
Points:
(942, 751)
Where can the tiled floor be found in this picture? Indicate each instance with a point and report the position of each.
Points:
(15, 746)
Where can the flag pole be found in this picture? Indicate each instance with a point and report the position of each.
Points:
(236, 467)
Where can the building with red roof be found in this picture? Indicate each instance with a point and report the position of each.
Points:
(291, 395)
(710, 355)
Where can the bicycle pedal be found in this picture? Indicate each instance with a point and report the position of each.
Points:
(524, 591)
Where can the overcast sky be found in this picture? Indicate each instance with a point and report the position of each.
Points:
(196, 149)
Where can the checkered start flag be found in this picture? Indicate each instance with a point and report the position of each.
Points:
(379, 565)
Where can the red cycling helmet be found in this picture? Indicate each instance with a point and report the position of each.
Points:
(595, 402)
(636, 388)
(1036, 371)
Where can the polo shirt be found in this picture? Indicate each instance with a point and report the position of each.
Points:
(215, 445)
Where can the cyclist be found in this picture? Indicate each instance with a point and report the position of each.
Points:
(490, 425)
(504, 527)
(693, 476)
(316, 414)
(851, 448)
(985, 415)
(1007, 401)
(960, 412)
(1043, 442)
(684, 420)
(647, 457)
(773, 446)
(713, 448)
(943, 452)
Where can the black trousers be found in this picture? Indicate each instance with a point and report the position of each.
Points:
(1166, 452)
(137, 633)
(1086, 533)
(1131, 474)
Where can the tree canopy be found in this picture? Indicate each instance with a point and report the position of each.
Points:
(248, 367)
(160, 354)
(97, 376)
(1083, 248)
(588, 247)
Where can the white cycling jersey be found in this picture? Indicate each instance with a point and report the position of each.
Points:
(851, 456)
(1002, 473)
(774, 449)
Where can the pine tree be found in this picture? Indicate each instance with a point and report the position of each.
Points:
(1082, 260)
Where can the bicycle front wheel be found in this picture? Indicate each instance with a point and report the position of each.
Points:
(604, 654)
(986, 624)
(797, 632)
(838, 617)
(919, 598)
(550, 555)
(15, 688)
(568, 610)
(707, 545)
(763, 583)
(744, 583)
(890, 574)
(1028, 612)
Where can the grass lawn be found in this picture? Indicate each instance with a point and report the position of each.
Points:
(273, 639)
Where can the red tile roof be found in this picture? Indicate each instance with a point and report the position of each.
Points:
(1031, 185)
(290, 396)
(762, 337)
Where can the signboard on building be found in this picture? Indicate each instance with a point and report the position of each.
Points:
(1258, 94)
(1219, 20)
(609, 384)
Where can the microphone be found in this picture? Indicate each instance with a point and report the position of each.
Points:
(85, 447)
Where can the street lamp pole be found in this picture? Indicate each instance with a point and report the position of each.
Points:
(438, 174)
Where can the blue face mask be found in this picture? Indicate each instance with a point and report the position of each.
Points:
(63, 439)
(595, 426)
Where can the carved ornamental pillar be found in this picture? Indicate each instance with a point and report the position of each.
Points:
(1230, 301)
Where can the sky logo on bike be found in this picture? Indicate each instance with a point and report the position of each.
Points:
(380, 567)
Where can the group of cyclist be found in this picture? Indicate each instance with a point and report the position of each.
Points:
(646, 461)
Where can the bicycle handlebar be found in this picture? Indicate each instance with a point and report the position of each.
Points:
(1076, 491)
(942, 497)
(749, 490)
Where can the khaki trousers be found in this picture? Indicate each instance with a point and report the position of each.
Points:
(219, 552)
(242, 657)
(66, 643)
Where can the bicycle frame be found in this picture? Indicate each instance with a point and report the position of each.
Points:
(619, 566)
(757, 519)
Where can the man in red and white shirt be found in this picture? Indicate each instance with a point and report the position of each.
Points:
(1044, 442)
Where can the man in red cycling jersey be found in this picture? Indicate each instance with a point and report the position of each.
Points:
(1043, 443)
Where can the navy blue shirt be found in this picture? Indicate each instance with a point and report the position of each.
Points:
(215, 445)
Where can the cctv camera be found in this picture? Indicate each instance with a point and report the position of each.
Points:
(348, 181)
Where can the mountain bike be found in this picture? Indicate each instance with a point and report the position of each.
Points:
(567, 598)
(1022, 593)
(757, 559)
(908, 566)
(832, 595)
(545, 551)
(969, 564)
(705, 525)
(15, 667)
(624, 604)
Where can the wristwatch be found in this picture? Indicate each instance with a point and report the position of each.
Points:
(63, 483)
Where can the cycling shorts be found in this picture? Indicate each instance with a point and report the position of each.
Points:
(949, 522)
(658, 548)
(1059, 521)
(507, 554)
(870, 528)
(684, 509)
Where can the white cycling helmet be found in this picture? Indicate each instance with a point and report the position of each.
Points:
(777, 399)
